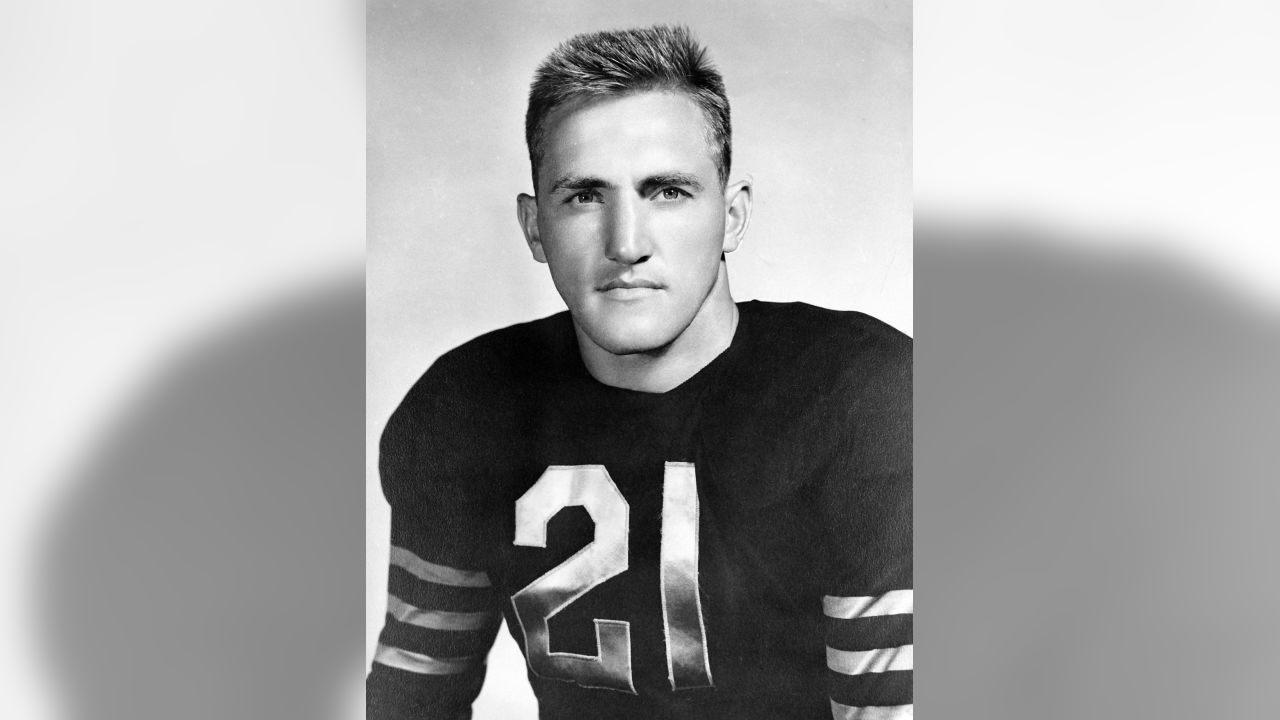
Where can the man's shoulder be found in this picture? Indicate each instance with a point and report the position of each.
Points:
(461, 413)
(512, 349)
(800, 333)
(811, 390)
(484, 371)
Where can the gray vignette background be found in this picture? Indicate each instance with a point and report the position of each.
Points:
(1095, 413)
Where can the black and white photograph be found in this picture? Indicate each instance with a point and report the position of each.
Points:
(639, 361)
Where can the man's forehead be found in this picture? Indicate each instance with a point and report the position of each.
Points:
(656, 128)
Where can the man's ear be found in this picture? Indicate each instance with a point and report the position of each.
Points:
(737, 203)
(527, 214)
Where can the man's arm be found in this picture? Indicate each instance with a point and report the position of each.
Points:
(869, 617)
(442, 611)
(869, 605)
(440, 624)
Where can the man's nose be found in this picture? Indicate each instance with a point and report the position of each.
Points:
(627, 240)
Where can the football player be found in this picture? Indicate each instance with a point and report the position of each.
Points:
(684, 507)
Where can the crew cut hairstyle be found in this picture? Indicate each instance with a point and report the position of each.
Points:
(622, 62)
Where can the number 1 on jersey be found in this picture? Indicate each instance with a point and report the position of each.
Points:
(606, 556)
(687, 663)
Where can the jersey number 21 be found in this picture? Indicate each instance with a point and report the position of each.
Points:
(607, 556)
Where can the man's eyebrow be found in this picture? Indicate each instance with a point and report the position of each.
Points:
(578, 182)
(650, 183)
(680, 179)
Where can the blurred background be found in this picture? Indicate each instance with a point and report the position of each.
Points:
(182, 226)
(182, 246)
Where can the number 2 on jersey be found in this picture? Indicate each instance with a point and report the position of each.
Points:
(605, 557)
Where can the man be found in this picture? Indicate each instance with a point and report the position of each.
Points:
(683, 506)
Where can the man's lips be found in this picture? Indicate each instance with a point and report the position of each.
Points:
(630, 284)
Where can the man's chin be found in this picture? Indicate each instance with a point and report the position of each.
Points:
(634, 346)
(629, 340)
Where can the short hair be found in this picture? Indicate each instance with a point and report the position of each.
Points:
(622, 62)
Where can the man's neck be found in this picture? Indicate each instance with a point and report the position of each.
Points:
(658, 371)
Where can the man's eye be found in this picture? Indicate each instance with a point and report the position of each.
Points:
(586, 196)
(671, 193)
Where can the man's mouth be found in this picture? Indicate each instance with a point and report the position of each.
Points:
(629, 288)
(630, 284)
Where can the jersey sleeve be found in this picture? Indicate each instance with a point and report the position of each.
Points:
(868, 605)
(443, 613)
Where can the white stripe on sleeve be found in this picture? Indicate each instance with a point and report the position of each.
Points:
(439, 619)
(423, 664)
(439, 574)
(872, 712)
(894, 602)
(851, 662)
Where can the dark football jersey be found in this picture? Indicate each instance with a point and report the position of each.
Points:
(736, 547)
